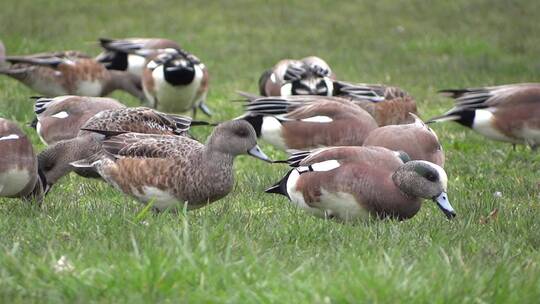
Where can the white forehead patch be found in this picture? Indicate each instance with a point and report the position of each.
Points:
(10, 137)
(60, 115)
(442, 174)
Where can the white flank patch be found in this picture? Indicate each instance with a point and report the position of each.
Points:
(342, 205)
(135, 64)
(286, 89)
(162, 200)
(89, 88)
(61, 115)
(297, 197)
(9, 137)
(176, 98)
(271, 132)
(13, 181)
(273, 77)
(38, 130)
(321, 119)
(483, 124)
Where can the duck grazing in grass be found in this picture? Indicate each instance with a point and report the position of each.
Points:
(61, 117)
(19, 175)
(307, 76)
(416, 139)
(173, 171)
(119, 54)
(351, 183)
(307, 122)
(387, 104)
(508, 113)
(55, 160)
(69, 73)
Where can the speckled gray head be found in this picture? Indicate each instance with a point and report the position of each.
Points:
(236, 137)
(426, 180)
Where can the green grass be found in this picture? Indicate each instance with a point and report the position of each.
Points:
(252, 247)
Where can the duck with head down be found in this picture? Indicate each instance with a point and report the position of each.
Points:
(353, 183)
(174, 171)
(69, 73)
(307, 76)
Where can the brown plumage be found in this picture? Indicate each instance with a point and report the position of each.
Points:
(509, 113)
(173, 171)
(307, 76)
(69, 73)
(388, 105)
(18, 165)
(416, 139)
(350, 183)
(55, 160)
(61, 117)
(307, 122)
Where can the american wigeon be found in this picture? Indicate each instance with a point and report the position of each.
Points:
(307, 122)
(61, 117)
(416, 139)
(176, 81)
(350, 183)
(55, 160)
(387, 104)
(307, 76)
(118, 54)
(173, 171)
(509, 113)
(19, 176)
(69, 73)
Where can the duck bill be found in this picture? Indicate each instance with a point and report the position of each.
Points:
(258, 153)
(444, 204)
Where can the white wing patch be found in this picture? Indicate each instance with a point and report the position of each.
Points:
(9, 137)
(60, 115)
(320, 119)
(286, 89)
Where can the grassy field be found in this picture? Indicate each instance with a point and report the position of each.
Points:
(251, 247)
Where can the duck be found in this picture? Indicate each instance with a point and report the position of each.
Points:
(61, 117)
(118, 53)
(69, 73)
(389, 105)
(55, 160)
(308, 121)
(19, 174)
(174, 172)
(307, 76)
(508, 113)
(416, 139)
(350, 184)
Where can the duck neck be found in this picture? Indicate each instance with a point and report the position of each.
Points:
(124, 81)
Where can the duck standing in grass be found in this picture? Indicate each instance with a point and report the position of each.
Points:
(119, 54)
(173, 171)
(416, 139)
(307, 76)
(508, 113)
(19, 175)
(308, 122)
(69, 73)
(55, 160)
(350, 183)
(60, 118)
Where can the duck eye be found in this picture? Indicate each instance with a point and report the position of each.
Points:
(241, 132)
(431, 177)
